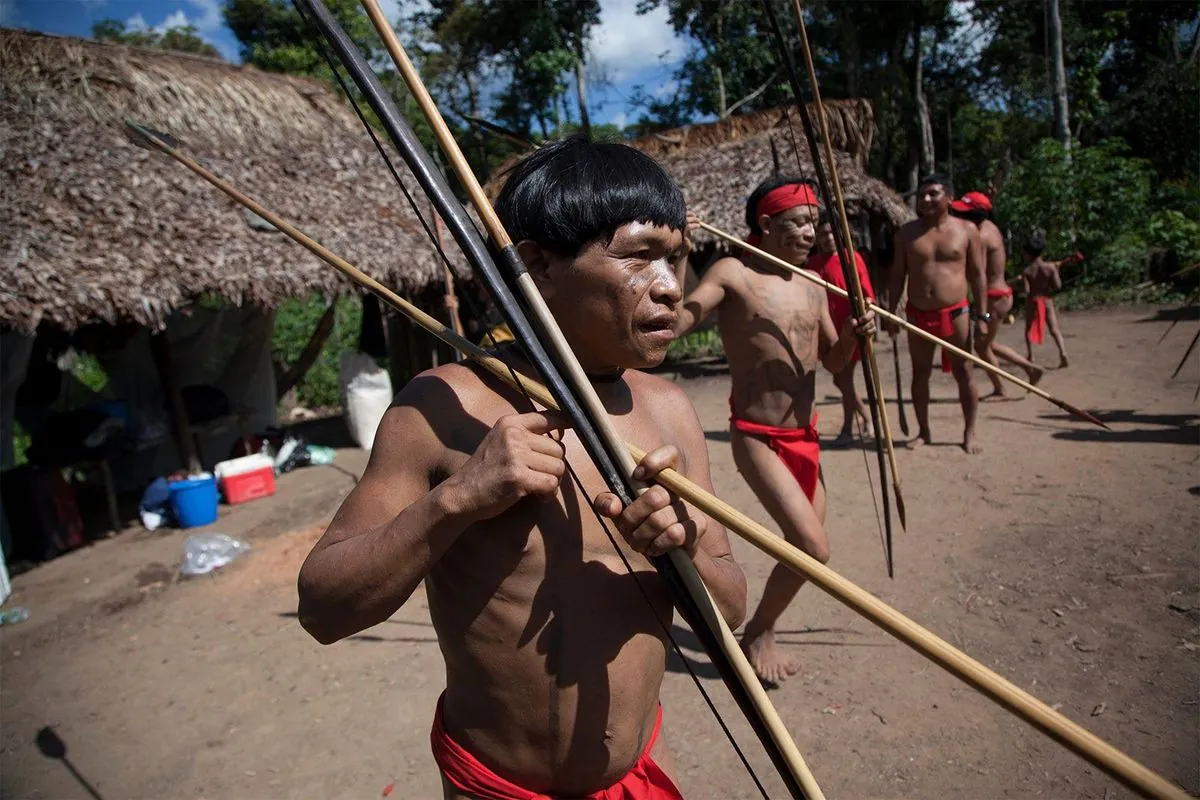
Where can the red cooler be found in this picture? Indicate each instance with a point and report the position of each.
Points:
(246, 478)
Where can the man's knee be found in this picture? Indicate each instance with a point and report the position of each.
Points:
(818, 550)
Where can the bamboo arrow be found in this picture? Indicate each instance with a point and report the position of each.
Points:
(1024, 705)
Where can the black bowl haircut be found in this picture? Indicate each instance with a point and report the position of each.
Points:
(937, 177)
(575, 191)
(764, 188)
(1035, 245)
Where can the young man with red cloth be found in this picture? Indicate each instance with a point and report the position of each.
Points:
(776, 326)
(554, 648)
(1041, 280)
(976, 207)
(940, 257)
(826, 263)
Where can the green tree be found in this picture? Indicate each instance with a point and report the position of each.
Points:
(182, 39)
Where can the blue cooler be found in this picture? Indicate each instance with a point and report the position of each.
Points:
(194, 501)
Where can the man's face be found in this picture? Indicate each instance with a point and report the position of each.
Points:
(615, 302)
(790, 235)
(932, 198)
(825, 240)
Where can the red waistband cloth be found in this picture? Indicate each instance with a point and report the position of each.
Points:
(1037, 328)
(829, 267)
(938, 321)
(798, 448)
(996, 294)
(646, 781)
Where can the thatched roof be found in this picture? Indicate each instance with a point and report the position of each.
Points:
(718, 164)
(96, 229)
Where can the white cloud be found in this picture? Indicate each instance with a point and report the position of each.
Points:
(136, 23)
(208, 17)
(620, 120)
(177, 19)
(625, 41)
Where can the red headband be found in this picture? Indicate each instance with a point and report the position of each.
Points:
(780, 200)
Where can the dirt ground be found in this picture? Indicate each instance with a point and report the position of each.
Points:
(1065, 558)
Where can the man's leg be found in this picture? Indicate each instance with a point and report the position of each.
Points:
(1030, 312)
(921, 351)
(851, 404)
(968, 395)
(1056, 332)
(999, 309)
(984, 348)
(802, 524)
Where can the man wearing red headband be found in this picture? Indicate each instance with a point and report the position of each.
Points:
(939, 256)
(775, 327)
(976, 208)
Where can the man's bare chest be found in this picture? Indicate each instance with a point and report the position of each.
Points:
(941, 248)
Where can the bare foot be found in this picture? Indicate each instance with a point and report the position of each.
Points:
(1062, 363)
(969, 444)
(844, 439)
(772, 669)
(920, 440)
(1035, 375)
(997, 396)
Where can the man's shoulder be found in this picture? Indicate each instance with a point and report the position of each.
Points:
(447, 391)
(990, 233)
(725, 266)
(911, 229)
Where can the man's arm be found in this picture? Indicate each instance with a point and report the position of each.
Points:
(708, 295)
(899, 274)
(976, 268)
(658, 521)
(395, 525)
(836, 348)
(1056, 277)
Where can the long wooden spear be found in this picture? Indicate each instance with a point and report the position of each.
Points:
(1076, 738)
(831, 188)
(902, 322)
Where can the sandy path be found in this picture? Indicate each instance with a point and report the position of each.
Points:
(1065, 558)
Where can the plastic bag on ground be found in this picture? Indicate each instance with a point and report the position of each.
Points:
(204, 552)
(367, 395)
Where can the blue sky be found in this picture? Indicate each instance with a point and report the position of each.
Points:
(627, 49)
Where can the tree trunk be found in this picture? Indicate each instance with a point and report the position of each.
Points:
(308, 356)
(923, 127)
(585, 123)
(721, 112)
(1062, 126)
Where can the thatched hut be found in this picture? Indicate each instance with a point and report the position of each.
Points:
(718, 164)
(99, 230)
(99, 233)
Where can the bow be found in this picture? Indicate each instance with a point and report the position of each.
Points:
(844, 242)
(551, 356)
(1030, 709)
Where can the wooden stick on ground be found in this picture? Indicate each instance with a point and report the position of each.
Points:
(908, 326)
(1076, 738)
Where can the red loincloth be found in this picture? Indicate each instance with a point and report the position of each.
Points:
(938, 321)
(1037, 329)
(798, 448)
(996, 294)
(829, 267)
(646, 781)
